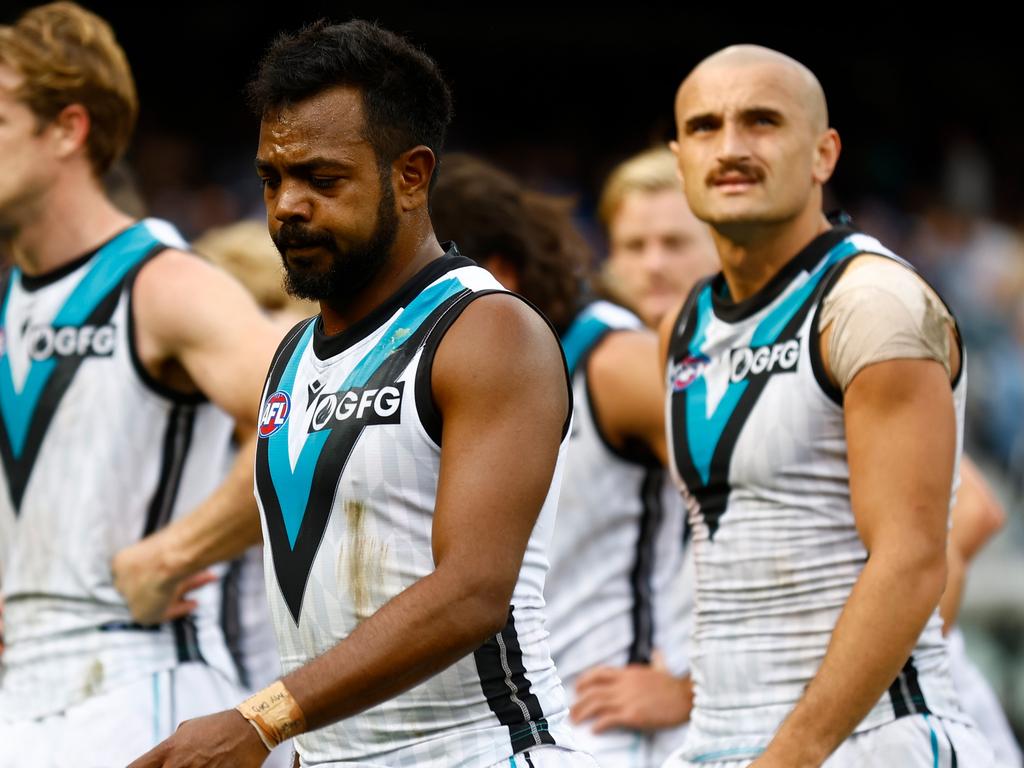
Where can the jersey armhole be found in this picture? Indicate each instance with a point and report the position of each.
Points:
(149, 381)
(814, 335)
(426, 408)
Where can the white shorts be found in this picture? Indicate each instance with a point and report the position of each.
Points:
(549, 757)
(915, 741)
(112, 729)
(617, 748)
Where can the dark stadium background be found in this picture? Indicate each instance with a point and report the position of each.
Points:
(563, 92)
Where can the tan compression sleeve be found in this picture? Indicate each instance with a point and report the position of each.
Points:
(880, 310)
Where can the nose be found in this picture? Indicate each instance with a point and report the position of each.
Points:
(733, 142)
(291, 203)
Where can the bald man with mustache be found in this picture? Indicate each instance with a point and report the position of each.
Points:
(815, 398)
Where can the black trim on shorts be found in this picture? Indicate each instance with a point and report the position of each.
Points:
(426, 407)
(499, 663)
(177, 441)
(186, 640)
(642, 647)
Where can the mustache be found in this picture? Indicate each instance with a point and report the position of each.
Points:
(295, 235)
(748, 171)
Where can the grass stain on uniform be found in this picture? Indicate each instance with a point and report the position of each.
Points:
(364, 555)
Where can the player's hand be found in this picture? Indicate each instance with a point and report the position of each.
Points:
(637, 696)
(153, 593)
(223, 740)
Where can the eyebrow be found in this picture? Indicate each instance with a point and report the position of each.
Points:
(746, 114)
(308, 166)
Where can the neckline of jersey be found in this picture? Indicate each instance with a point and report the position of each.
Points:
(326, 345)
(735, 311)
(31, 283)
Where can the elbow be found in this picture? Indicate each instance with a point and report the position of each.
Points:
(479, 606)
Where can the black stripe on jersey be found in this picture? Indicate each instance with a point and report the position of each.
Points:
(683, 329)
(292, 565)
(952, 751)
(186, 640)
(529, 762)
(905, 693)
(426, 408)
(231, 617)
(19, 470)
(650, 522)
(499, 663)
(177, 441)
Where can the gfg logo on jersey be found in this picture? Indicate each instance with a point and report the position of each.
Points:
(275, 413)
(687, 371)
(745, 363)
(359, 406)
(45, 341)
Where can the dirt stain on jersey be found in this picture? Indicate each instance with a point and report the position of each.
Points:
(364, 557)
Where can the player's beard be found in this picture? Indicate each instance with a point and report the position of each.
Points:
(349, 272)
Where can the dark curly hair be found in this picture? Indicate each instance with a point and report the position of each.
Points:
(488, 213)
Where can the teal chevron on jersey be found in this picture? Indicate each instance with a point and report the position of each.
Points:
(704, 430)
(292, 483)
(106, 271)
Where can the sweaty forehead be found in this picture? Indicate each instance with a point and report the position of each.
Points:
(330, 122)
(729, 88)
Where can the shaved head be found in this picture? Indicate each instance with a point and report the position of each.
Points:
(754, 146)
(804, 86)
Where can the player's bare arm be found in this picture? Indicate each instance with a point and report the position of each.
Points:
(901, 438)
(197, 330)
(625, 382)
(504, 412)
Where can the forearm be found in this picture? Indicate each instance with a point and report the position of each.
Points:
(221, 528)
(420, 632)
(887, 609)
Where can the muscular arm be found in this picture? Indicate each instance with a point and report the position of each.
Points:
(901, 438)
(503, 417)
(198, 330)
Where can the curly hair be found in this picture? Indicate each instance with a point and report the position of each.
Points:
(490, 214)
(67, 55)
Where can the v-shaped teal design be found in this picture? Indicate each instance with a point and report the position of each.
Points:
(703, 431)
(292, 485)
(106, 270)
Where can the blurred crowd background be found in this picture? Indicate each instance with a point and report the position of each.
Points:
(932, 163)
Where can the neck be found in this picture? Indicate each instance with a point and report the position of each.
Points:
(411, 252)
(751, 258)
(72, 220)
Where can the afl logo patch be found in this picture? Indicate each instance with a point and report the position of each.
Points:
(687, 371)
(275, 413)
